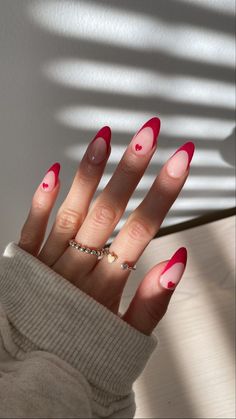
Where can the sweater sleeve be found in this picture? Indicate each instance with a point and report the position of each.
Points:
(62, 354)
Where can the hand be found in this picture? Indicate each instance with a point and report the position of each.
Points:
(93, 224)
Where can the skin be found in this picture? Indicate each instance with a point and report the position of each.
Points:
(93, 224)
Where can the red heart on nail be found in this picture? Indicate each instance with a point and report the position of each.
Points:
(171, 284)
(45, 185)
(138, 147)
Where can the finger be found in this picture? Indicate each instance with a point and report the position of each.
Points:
(33, 231)
(109, 206)
(152, 297)
(143, 224)
(75, 207)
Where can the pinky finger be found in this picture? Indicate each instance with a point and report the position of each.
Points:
(33, 230)
(154, 293)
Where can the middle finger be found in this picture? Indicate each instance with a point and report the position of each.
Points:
(109, 206)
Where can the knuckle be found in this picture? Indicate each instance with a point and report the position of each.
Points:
(27, 237)
(127, 167)
(139, 230)
(86, 176)
(68, 219)
(39, 206)
(104, 215)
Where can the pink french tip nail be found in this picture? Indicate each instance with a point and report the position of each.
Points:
(179, 162)
(50, 179)
(155, 124)
(99, 146)
(189, 147)
(174, 269)
(105, 133)
(146, 138)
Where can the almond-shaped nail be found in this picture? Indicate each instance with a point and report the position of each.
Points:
(99, 146)
(174, 269)
(180, 161)
(51, 178)
(145, 139)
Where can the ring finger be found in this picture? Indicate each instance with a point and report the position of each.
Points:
(109, 206)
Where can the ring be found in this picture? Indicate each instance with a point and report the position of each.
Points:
(126, 266)
(111, 257)
(100, 253)
(84, 249)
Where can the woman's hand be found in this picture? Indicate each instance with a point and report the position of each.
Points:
(93, 225)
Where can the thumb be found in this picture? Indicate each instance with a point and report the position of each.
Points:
(152, 297)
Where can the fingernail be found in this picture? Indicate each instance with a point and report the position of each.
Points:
(180, 161)
(51, 178)
(99, 147)
(146, 137)
(174, 269)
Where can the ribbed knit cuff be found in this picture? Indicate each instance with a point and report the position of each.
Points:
(49, 313)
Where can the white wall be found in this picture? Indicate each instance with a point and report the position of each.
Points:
(68, 67)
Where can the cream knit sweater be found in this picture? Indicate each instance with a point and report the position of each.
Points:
(62, 354)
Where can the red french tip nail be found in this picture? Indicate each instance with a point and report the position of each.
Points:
(189, 147)
(56, 169)
(105, 133)
(155, 124)
(180, 256)
(50, 181)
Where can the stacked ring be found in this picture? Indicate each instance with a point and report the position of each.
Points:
(100, 253)
(84, 249)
